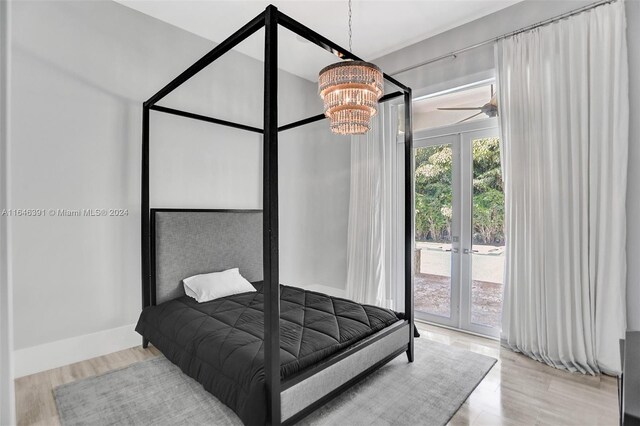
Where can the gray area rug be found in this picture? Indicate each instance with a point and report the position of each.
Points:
(155, 392)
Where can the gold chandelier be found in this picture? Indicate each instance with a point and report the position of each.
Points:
(350, 91)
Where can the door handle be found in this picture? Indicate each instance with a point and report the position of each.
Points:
(453, 250)
(467, 251)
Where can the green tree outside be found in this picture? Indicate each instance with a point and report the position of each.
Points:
(433, 193)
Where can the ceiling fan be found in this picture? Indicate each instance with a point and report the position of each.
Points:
(490, 108)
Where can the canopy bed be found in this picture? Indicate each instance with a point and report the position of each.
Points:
(275, 354)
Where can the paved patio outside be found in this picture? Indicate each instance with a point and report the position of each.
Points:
(433, 282)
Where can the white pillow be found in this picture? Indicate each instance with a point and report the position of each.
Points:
(206, 287)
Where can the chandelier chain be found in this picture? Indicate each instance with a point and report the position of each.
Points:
(350, 32)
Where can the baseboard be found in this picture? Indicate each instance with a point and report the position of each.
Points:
(75, 349)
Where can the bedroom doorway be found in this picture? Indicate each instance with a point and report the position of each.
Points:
(459, 215)
(459, 240)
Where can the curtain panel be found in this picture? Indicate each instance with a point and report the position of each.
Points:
(564, 116)
(372, 215)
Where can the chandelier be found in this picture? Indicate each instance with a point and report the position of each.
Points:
(350, 91)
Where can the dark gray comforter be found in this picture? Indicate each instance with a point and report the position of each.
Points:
(220, 343)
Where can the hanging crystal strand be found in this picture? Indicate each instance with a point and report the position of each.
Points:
(350, 32)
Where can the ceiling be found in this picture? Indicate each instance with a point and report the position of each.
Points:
(379, 27)
(427, 115)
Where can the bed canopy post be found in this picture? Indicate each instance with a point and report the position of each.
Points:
(408, 218)
(144, 213)
(270, 219)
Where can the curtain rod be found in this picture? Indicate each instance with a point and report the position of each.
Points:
(455, 53)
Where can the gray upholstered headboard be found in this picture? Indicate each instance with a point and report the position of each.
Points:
(190, 242)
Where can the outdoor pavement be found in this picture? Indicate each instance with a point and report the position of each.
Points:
(487, 263)
(433, 282)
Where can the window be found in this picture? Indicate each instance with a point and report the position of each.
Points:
(475, 103)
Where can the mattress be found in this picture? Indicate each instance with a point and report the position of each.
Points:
(220, 343)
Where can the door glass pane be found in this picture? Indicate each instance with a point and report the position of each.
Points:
(433, 186)
(487, 260)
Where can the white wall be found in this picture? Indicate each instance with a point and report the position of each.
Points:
(80, 73)
(314, 207)
(478, 63)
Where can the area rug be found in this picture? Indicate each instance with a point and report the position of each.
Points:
(428, 391)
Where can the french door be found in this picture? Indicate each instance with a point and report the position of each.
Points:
(459, 257)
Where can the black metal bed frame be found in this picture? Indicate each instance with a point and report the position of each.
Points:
(270, 19)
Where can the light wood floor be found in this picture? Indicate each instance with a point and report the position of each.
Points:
(521, 391)
(517, 391)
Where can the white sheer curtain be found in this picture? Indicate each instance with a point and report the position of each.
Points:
(564, 113)
(369, 261)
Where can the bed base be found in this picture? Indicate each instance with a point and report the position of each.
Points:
(338, 391)
(311, 389)
(316, 386)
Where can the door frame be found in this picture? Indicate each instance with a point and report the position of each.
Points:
(466, 244)
(454, 300)
(459, 136)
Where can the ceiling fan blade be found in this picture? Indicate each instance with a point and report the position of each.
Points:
(460, 109)
(469, 118)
